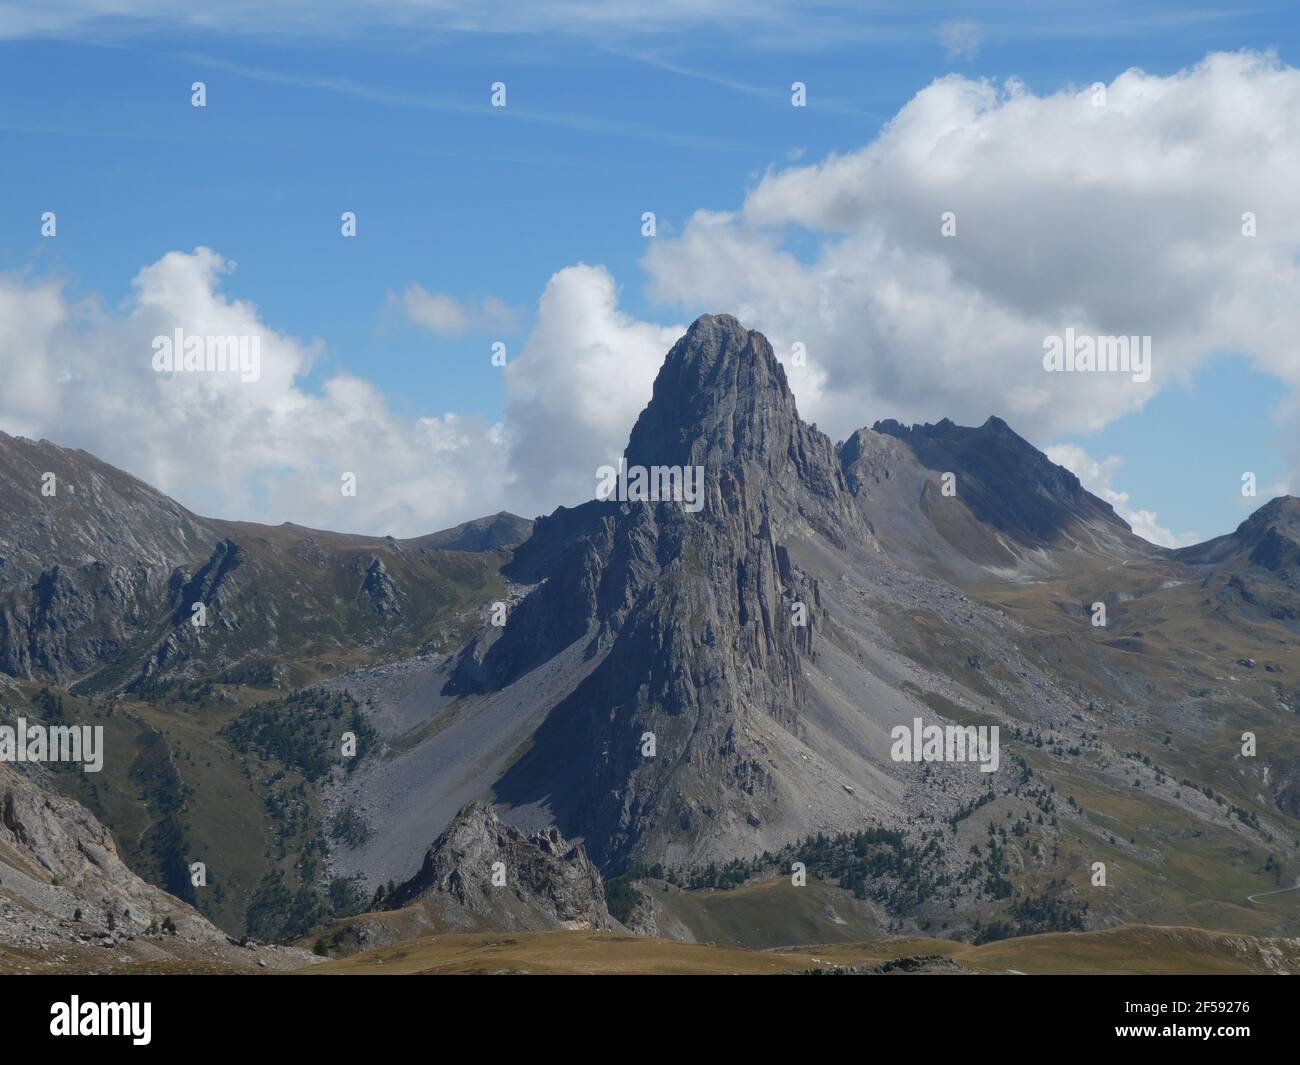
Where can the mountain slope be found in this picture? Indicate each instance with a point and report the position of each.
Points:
(100, 576)
(1254, 571)
(1129, 950)
(1009, 512)
(690, 615)
(649, 618)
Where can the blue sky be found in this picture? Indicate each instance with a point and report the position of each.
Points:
(606, 118)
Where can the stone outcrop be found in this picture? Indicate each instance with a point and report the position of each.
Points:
(57, 861)
(543, 881)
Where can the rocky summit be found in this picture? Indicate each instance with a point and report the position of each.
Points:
(548, 882)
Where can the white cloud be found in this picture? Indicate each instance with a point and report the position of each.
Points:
(273, 451)
(446, 316)
(1123, 219)
(1097, 477)
(269, 449)
(586, 18)
(585, 373)
(961, 38)
(439, 313)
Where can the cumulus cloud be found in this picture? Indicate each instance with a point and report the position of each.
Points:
(1121, 216)
(268, 449)
(1097, 477)
(272, 450)
(1116, 214)
(585, 373)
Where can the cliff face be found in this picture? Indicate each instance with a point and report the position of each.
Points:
(56, 859)
(86, 555)
(698, 615)
(741, 667)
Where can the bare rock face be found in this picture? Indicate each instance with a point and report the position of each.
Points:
(548, 881)
(58, 860)
(380, 588)
(86, 551)
(721, 401)
(690, 610)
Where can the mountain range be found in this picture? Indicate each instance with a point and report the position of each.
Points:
(653, 708)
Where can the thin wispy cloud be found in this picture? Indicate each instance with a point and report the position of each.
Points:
(779, 94)
(394, 98)
(773, 20)
(770, 25)
(445, 316)
(961, 38)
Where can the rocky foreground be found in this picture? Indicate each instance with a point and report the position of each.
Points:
(69, 903)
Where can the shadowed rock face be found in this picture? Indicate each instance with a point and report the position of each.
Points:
(85, 551)
(1005, 481)
(1269, 539)
(689, 612)
(1008, 509)
(549, 882)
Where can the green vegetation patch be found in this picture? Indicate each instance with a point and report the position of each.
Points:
(303, 731)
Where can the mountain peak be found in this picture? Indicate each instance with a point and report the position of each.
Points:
(720, 392)
(709, 322)
(1269, 538)
(1280, 510)
(720, 355)
(1006, 481)
(1272, 533)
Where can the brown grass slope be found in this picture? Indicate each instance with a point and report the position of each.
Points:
(1133, 949)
